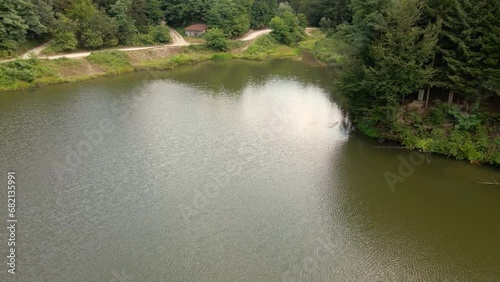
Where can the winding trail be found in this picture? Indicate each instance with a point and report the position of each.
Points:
(308, 30)
(254, 34)
(178, 40)
(36, 51)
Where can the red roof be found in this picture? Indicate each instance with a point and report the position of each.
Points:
(196, 27)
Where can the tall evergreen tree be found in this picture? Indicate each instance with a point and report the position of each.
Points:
(393, 59)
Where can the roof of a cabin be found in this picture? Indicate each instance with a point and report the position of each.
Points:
(196, 27)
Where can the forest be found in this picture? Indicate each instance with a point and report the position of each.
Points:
(448, 50)
(425, 74)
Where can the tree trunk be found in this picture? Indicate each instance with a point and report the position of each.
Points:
(450, 97)
(427, 99)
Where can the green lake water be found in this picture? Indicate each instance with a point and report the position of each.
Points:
(231, 171)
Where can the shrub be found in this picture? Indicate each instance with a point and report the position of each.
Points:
(216, 40)
(264, 44)
(160, 34)
(24, 70)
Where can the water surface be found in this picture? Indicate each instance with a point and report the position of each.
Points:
(231, 171)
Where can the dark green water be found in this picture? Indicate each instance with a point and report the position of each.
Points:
(231, 171)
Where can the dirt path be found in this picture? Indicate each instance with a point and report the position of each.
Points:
(178, 40)
(36, 51)
(308, 30)
(254, 34)
(86, 54)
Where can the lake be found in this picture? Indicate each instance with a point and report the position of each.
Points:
(231, 171)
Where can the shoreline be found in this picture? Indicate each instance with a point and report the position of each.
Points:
(69, 70)
(114, 63)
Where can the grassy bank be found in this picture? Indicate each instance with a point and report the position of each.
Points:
(265, 47)
(23, 74)
(444, 129)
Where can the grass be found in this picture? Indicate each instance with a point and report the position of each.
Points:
(116, 62)
(308, 44)
(331, 50)
(222, 56)
(172, 62)
(266, 46)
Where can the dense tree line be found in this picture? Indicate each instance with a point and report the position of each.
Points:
(233, 17)
(81, 23)
(92, 24)
(444, 47)
(405, 45)
(327, 13)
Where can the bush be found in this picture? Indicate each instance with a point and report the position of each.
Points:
(24, 70)
(265, 44)
(216, 40)
(160, 34)
(286, 28)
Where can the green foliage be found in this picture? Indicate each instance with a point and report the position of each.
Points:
(337, 11)
(17, 21)
(23, 70)
(155, 35)
(183, 12)
(126, 24)
(286, 27)
(438, 114)
(98, 31)
(332, 51)
(393, 57)
(464, 122)
(283, 8)
(262, 11)
(263, 44)
(174, 61)
(146, 13)
(95, 28)
(368, 127)
(468, 57)
(216, 40)
(267, 46)
(302, 20)
(160, 34)
(228, 16)
(64, 34)
(325, 23)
